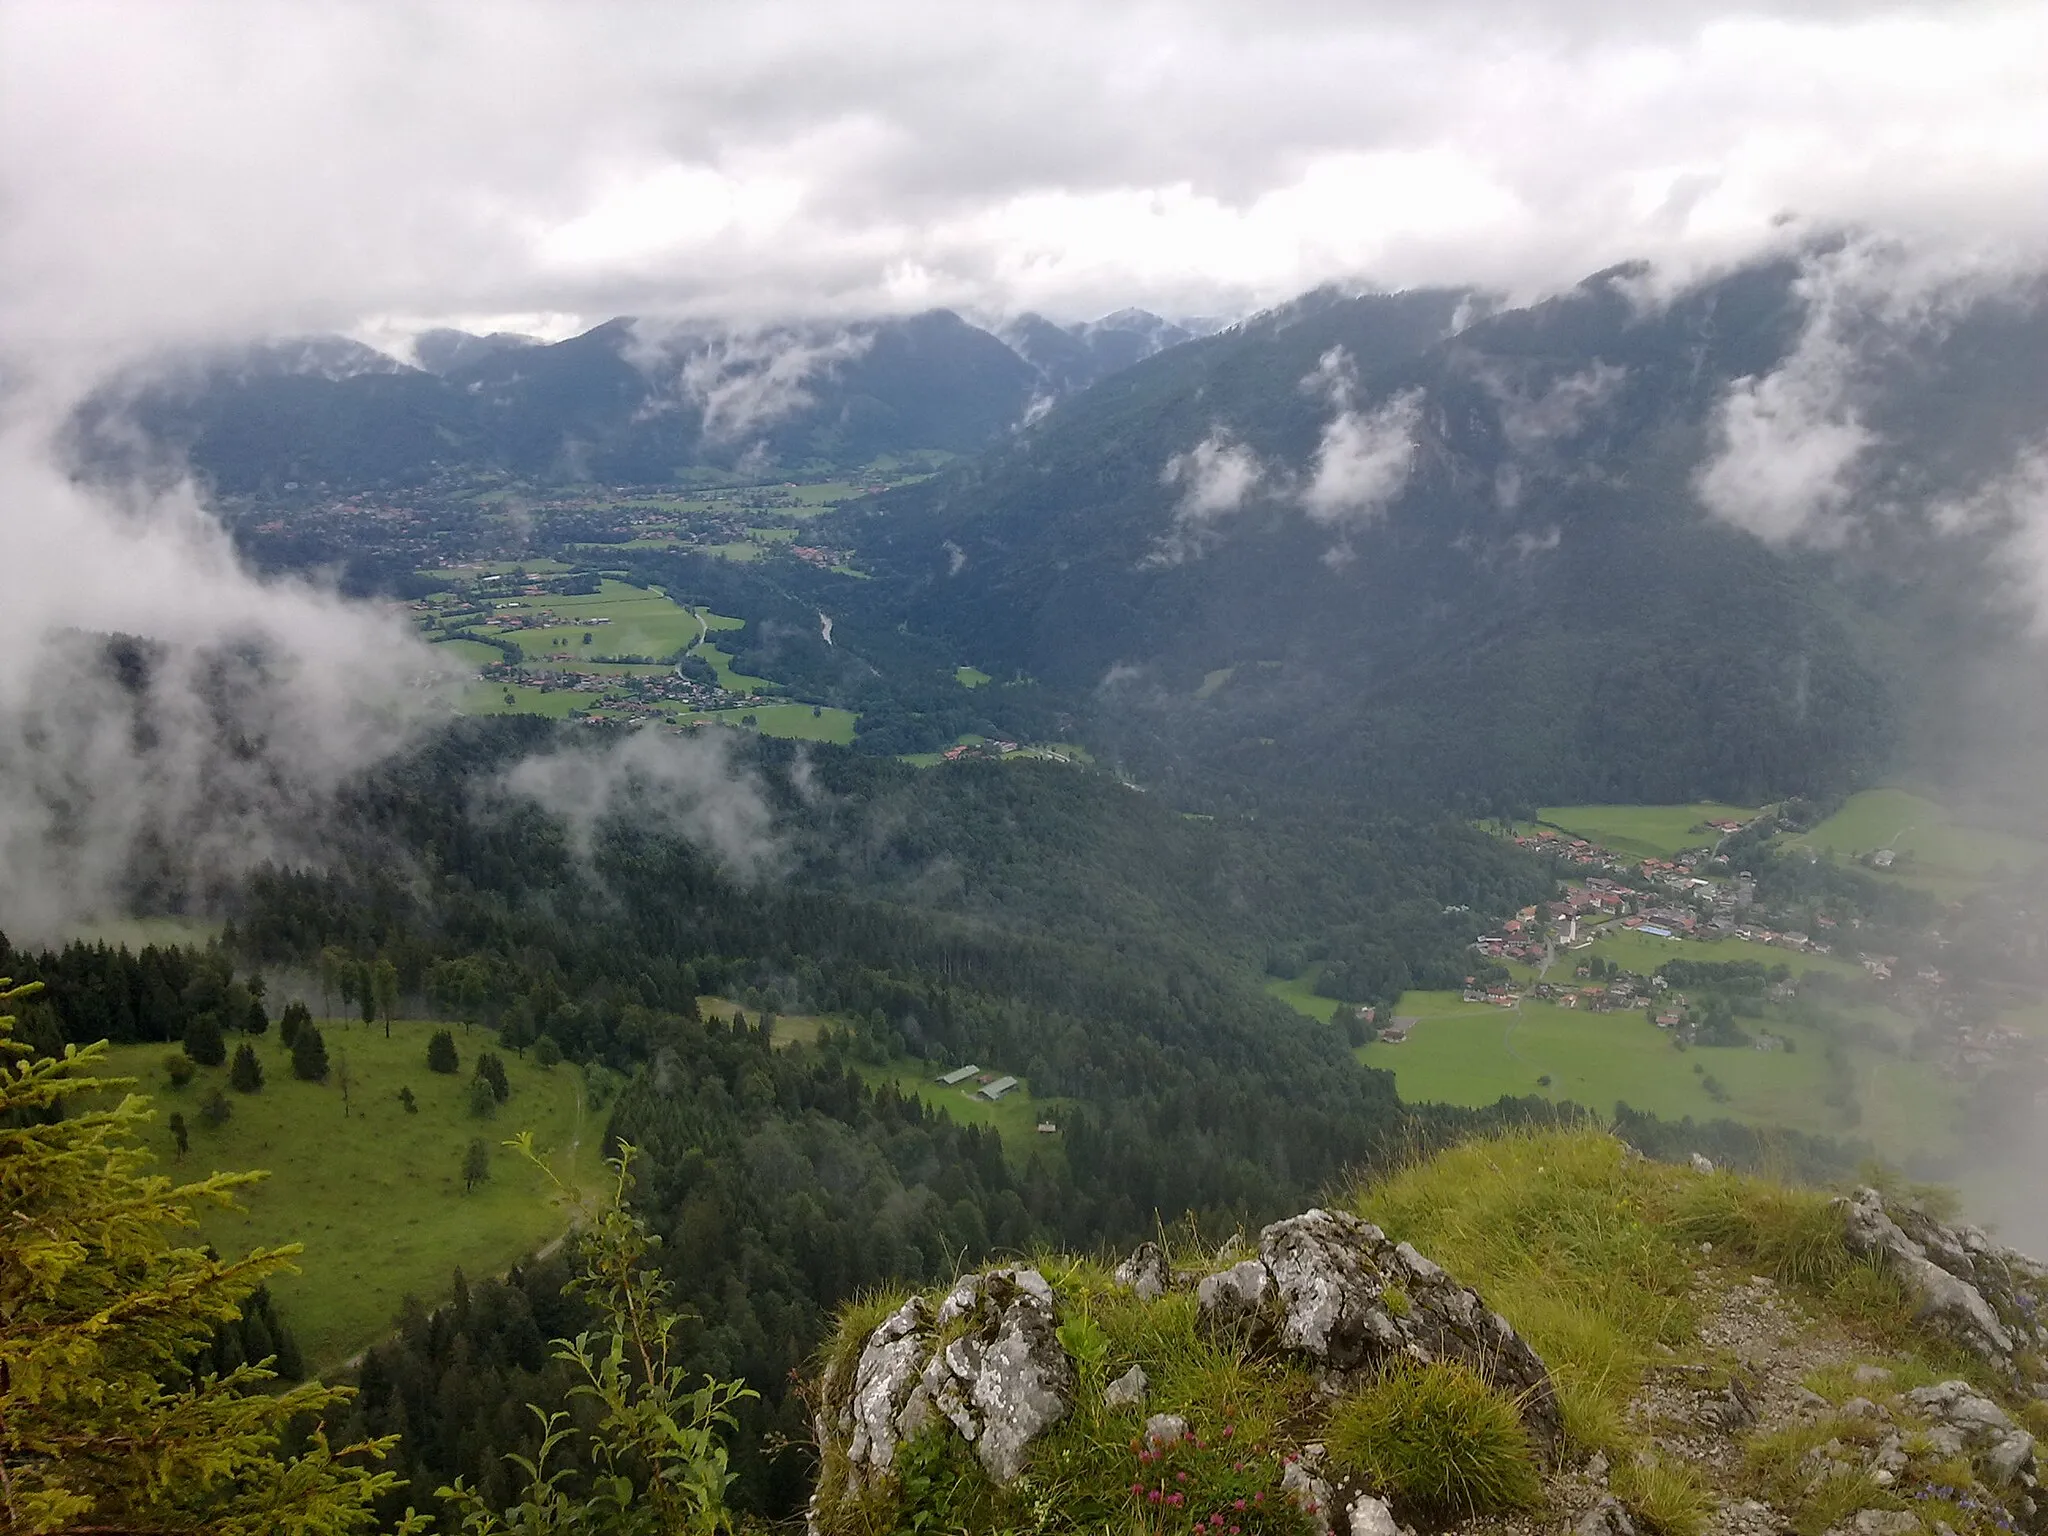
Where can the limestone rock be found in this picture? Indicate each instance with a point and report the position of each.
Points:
(1606, 1518)
(1966, 1420)
(1000, 1380)
(1335, 1290)
(1369, 1516)
(1301, 1480)
(1701, 1164)
(1885, 1522)
(1984, 1296)
(1145, 1272)
(1128, 1390)
(1164, 1429)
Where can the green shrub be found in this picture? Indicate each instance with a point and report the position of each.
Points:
(1439, 1436)
(1666, 1496)
(179, 1069)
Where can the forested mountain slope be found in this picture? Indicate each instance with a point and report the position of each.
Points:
(1381, 544)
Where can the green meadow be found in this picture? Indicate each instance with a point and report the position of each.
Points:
(1299, 994)
(1014, 1117)
(638, 622)
(1646, 831)
(1473, 1054)
(795, 722)
(374, 1194)
(1935, 847)
(970, 677)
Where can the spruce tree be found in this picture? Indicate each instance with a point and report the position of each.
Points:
(491, 1069)
(180, 1134)
(309, 1055)
(246, 1075)
(294, 1018)
(441, 1055)
(476, 1164)
(102, 1303)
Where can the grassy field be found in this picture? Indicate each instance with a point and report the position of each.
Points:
(1647, 831)
(1299, 994)
(796, 722)
(1934, 847)
(470, 653)
(1015, 1117)
(970, 677)
(375, 1197)
(481, 698)
(640, 623)
(1472, 1054)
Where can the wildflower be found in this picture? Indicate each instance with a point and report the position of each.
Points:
(1175, 1499)
(1229, 1430)
(1238, 1506)
(1156, 1495)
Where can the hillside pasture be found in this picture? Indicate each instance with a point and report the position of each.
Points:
(375, 1196)
(1644, 831)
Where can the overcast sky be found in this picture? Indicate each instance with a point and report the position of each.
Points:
(175, 169)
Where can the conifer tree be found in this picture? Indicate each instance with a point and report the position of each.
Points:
(102, 1305)
(203, 1042)
(246, 1075)
(491, 1069)
(441, 1055)
(294, 1018)
(309, 1054)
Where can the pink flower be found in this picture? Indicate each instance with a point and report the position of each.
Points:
(1137, 1488)
(1155, 1495)
(1229, 1430)
(1238, 1506)
(1180, 1477)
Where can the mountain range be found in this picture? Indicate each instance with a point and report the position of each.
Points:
(630, 401)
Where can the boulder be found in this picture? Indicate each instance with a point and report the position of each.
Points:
(1337, 1292)
(1606, 1518)
(1302, 1482)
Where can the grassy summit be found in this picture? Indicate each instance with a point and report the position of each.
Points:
(1712, 1340)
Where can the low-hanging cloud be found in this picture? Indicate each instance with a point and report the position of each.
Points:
(687, 787)
(1216, 478)
(162, 767)
(746, 382)
(1365, 457)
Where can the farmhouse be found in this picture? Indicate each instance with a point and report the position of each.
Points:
(957, 1075)
(998, 1088)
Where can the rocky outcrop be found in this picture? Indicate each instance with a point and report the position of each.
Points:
(1980, 1294)
(1964, 1421)
(1339, 1293)
(987, 1360)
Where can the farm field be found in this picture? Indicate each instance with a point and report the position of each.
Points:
(486, 698)
(970, 677)
(639, 622)
(1935, 849)
(470, 653)
(1647, 831)
(1473, 1054)
(375, 1197)
(794, 722)
(790, 1028)
(1643, 953)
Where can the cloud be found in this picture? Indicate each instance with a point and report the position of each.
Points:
(1216, 477)
(161, 770)
(1789, 445)
(211, 167)
(2011, 511)
(687, 787)
(1364, 458)
(744, 382)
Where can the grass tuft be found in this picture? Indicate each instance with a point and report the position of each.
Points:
(1667, 1496)
(1437, 1436)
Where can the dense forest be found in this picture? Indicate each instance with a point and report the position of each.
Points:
(1083, 935)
